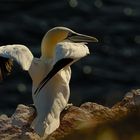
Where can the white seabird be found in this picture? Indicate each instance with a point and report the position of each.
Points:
(50, 73)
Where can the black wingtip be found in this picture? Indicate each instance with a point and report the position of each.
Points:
(58, 66)
(6, 66)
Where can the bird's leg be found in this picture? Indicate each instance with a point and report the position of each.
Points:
(68, 106)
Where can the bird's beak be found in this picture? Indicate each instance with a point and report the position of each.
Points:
(57, 67)
(76, 37)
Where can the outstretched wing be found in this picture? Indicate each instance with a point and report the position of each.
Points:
(20, 53)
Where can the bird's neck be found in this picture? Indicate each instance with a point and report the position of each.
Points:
(47, 49)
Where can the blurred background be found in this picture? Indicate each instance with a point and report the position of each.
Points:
(112, 68)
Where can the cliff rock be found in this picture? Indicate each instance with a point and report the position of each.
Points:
(86, 122)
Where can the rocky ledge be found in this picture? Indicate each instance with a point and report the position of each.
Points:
(87, 122)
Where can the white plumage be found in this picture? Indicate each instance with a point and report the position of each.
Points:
(57, 87)
(20, 53)
(50, 73)
(70, 50)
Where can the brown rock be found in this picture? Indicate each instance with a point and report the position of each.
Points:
(18, 126)
(23, 116)
(90, 120)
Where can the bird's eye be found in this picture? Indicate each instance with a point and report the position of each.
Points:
(70, 34)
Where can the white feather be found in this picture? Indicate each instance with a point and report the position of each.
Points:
(19, 53)
(70, 50)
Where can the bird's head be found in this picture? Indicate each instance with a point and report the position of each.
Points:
(59, 34)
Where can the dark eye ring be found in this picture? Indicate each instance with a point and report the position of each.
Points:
(70, 34)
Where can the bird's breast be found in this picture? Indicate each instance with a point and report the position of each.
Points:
(59, 80)
(38, 70)
(57, 87)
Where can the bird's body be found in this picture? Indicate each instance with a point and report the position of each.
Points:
(47, 119)
(50, 73)
(57, 87)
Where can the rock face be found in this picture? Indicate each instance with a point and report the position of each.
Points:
(17, 127)
(86, 122)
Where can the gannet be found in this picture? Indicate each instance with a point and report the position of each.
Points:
(50, 74)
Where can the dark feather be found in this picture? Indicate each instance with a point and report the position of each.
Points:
(58, 66)
(6, 66)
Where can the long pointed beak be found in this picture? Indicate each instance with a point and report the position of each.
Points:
(76, 37)
(57, 67)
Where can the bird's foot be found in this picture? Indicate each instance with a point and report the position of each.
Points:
(68, 106)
